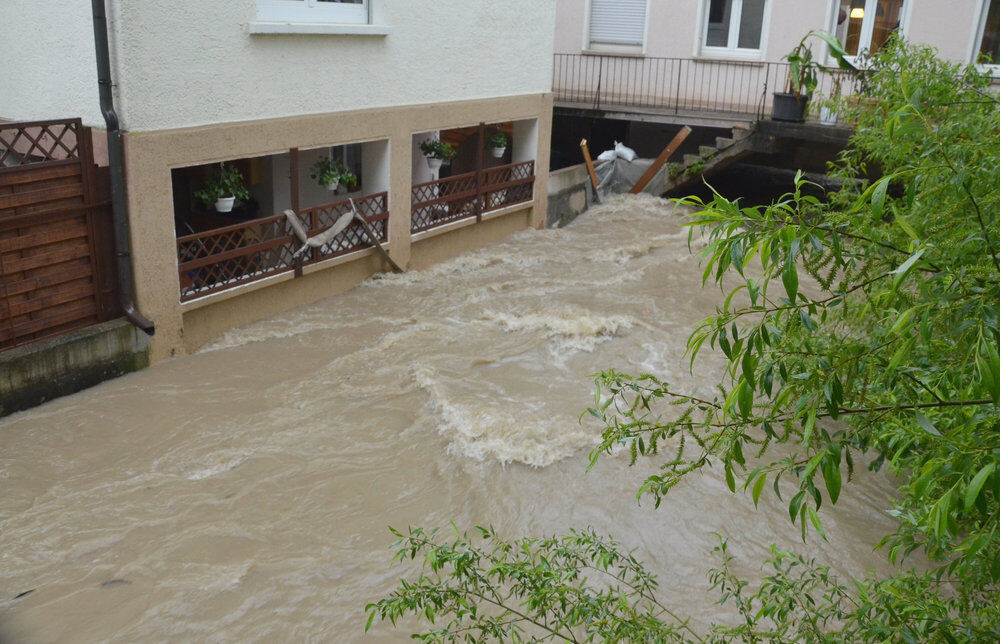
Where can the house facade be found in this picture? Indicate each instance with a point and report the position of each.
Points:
(275, 89)
(725, 55)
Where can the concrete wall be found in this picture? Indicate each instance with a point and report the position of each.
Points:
(151, 156)
(675, 26)
(194, 62)
(49, 68)
(568, 195)
(42, 371)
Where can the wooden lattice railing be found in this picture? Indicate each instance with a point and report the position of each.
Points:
(469, 195)
(220, 259)
(29, 142)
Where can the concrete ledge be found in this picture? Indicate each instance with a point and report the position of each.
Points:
(568, 195)
(36, 373)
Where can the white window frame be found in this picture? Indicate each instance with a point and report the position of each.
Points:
(314, 11)
(606, 49)
(978, 29)
(867, 26)
(312, 17)
(732, 50)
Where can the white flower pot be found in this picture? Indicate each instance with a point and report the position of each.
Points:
(225, 204)
(827, 116)
(434, 163)
(332, 185)
(498, 152)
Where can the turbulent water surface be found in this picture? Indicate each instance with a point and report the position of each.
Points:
(243, 493)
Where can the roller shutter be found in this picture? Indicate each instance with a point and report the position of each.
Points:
(617, 22)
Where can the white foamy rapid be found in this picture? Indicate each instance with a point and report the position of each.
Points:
(243, 493)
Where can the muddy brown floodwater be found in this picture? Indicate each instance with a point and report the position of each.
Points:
(244, 493)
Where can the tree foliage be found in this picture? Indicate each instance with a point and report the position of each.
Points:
(862, 329)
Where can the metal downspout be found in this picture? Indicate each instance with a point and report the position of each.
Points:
(119, 209)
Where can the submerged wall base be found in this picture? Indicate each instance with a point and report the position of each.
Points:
(36, 373)
(568, 195)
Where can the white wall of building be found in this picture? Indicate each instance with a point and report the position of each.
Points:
(47, 66)
(194, 62)
(197, 63)
(674, 26)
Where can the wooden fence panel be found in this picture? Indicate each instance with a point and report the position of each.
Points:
(56, 262)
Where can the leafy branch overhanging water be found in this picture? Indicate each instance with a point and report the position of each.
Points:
(890, 354)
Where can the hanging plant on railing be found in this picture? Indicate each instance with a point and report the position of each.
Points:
(437, 152)
(496, 143)
(332, 174)
(803, 77)
(223, 189)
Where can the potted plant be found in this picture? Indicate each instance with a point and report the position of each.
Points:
(803, 75)
(332, 174)
(223, 189)
(496, 143)
(828, 109)
(437, 152)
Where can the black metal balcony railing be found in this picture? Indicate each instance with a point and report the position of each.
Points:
(678, 84)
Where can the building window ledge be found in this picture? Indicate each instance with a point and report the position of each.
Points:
(731, 55)
(624, 52)
(321, 28)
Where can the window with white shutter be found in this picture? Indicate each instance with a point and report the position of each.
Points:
(617, 23)
(334, 11)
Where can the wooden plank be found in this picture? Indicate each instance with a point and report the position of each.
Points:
(590, 167)
(458, 196)
(74, 230)
(445, 181)
(70, 252)
(660, 160)
(72, 314)
(21, 219)
(33, 197)
(40, 172)
(236, 253)
(49, 276)
(70, 292)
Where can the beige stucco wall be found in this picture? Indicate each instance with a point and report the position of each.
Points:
(151, 155)
(193, 62)
(949, 26)
(674, 26)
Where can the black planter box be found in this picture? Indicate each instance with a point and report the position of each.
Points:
(789, 107)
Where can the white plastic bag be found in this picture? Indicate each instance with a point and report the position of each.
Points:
(607, 155)
(625, 152)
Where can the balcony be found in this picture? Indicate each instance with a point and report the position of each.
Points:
(693, 91)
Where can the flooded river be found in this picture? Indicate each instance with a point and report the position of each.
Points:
(244, 493)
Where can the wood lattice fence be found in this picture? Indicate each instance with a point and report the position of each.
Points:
(56, 234)
(470, 195)
(224, 258)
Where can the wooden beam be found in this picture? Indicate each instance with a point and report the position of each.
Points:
(293, 178)
(660, 160)
(590, 167)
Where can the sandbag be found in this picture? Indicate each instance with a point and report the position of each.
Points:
(625, 152)
(607, 155)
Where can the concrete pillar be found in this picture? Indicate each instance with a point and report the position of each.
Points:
(525, 141)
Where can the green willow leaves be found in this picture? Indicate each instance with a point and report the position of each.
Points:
(861, 330)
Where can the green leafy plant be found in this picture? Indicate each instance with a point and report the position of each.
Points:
(327, 170)
(863, 330)
(438, 149)
(226, 182)
(695, 168)
(675, 170)
(496, 139)
(804, 70)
